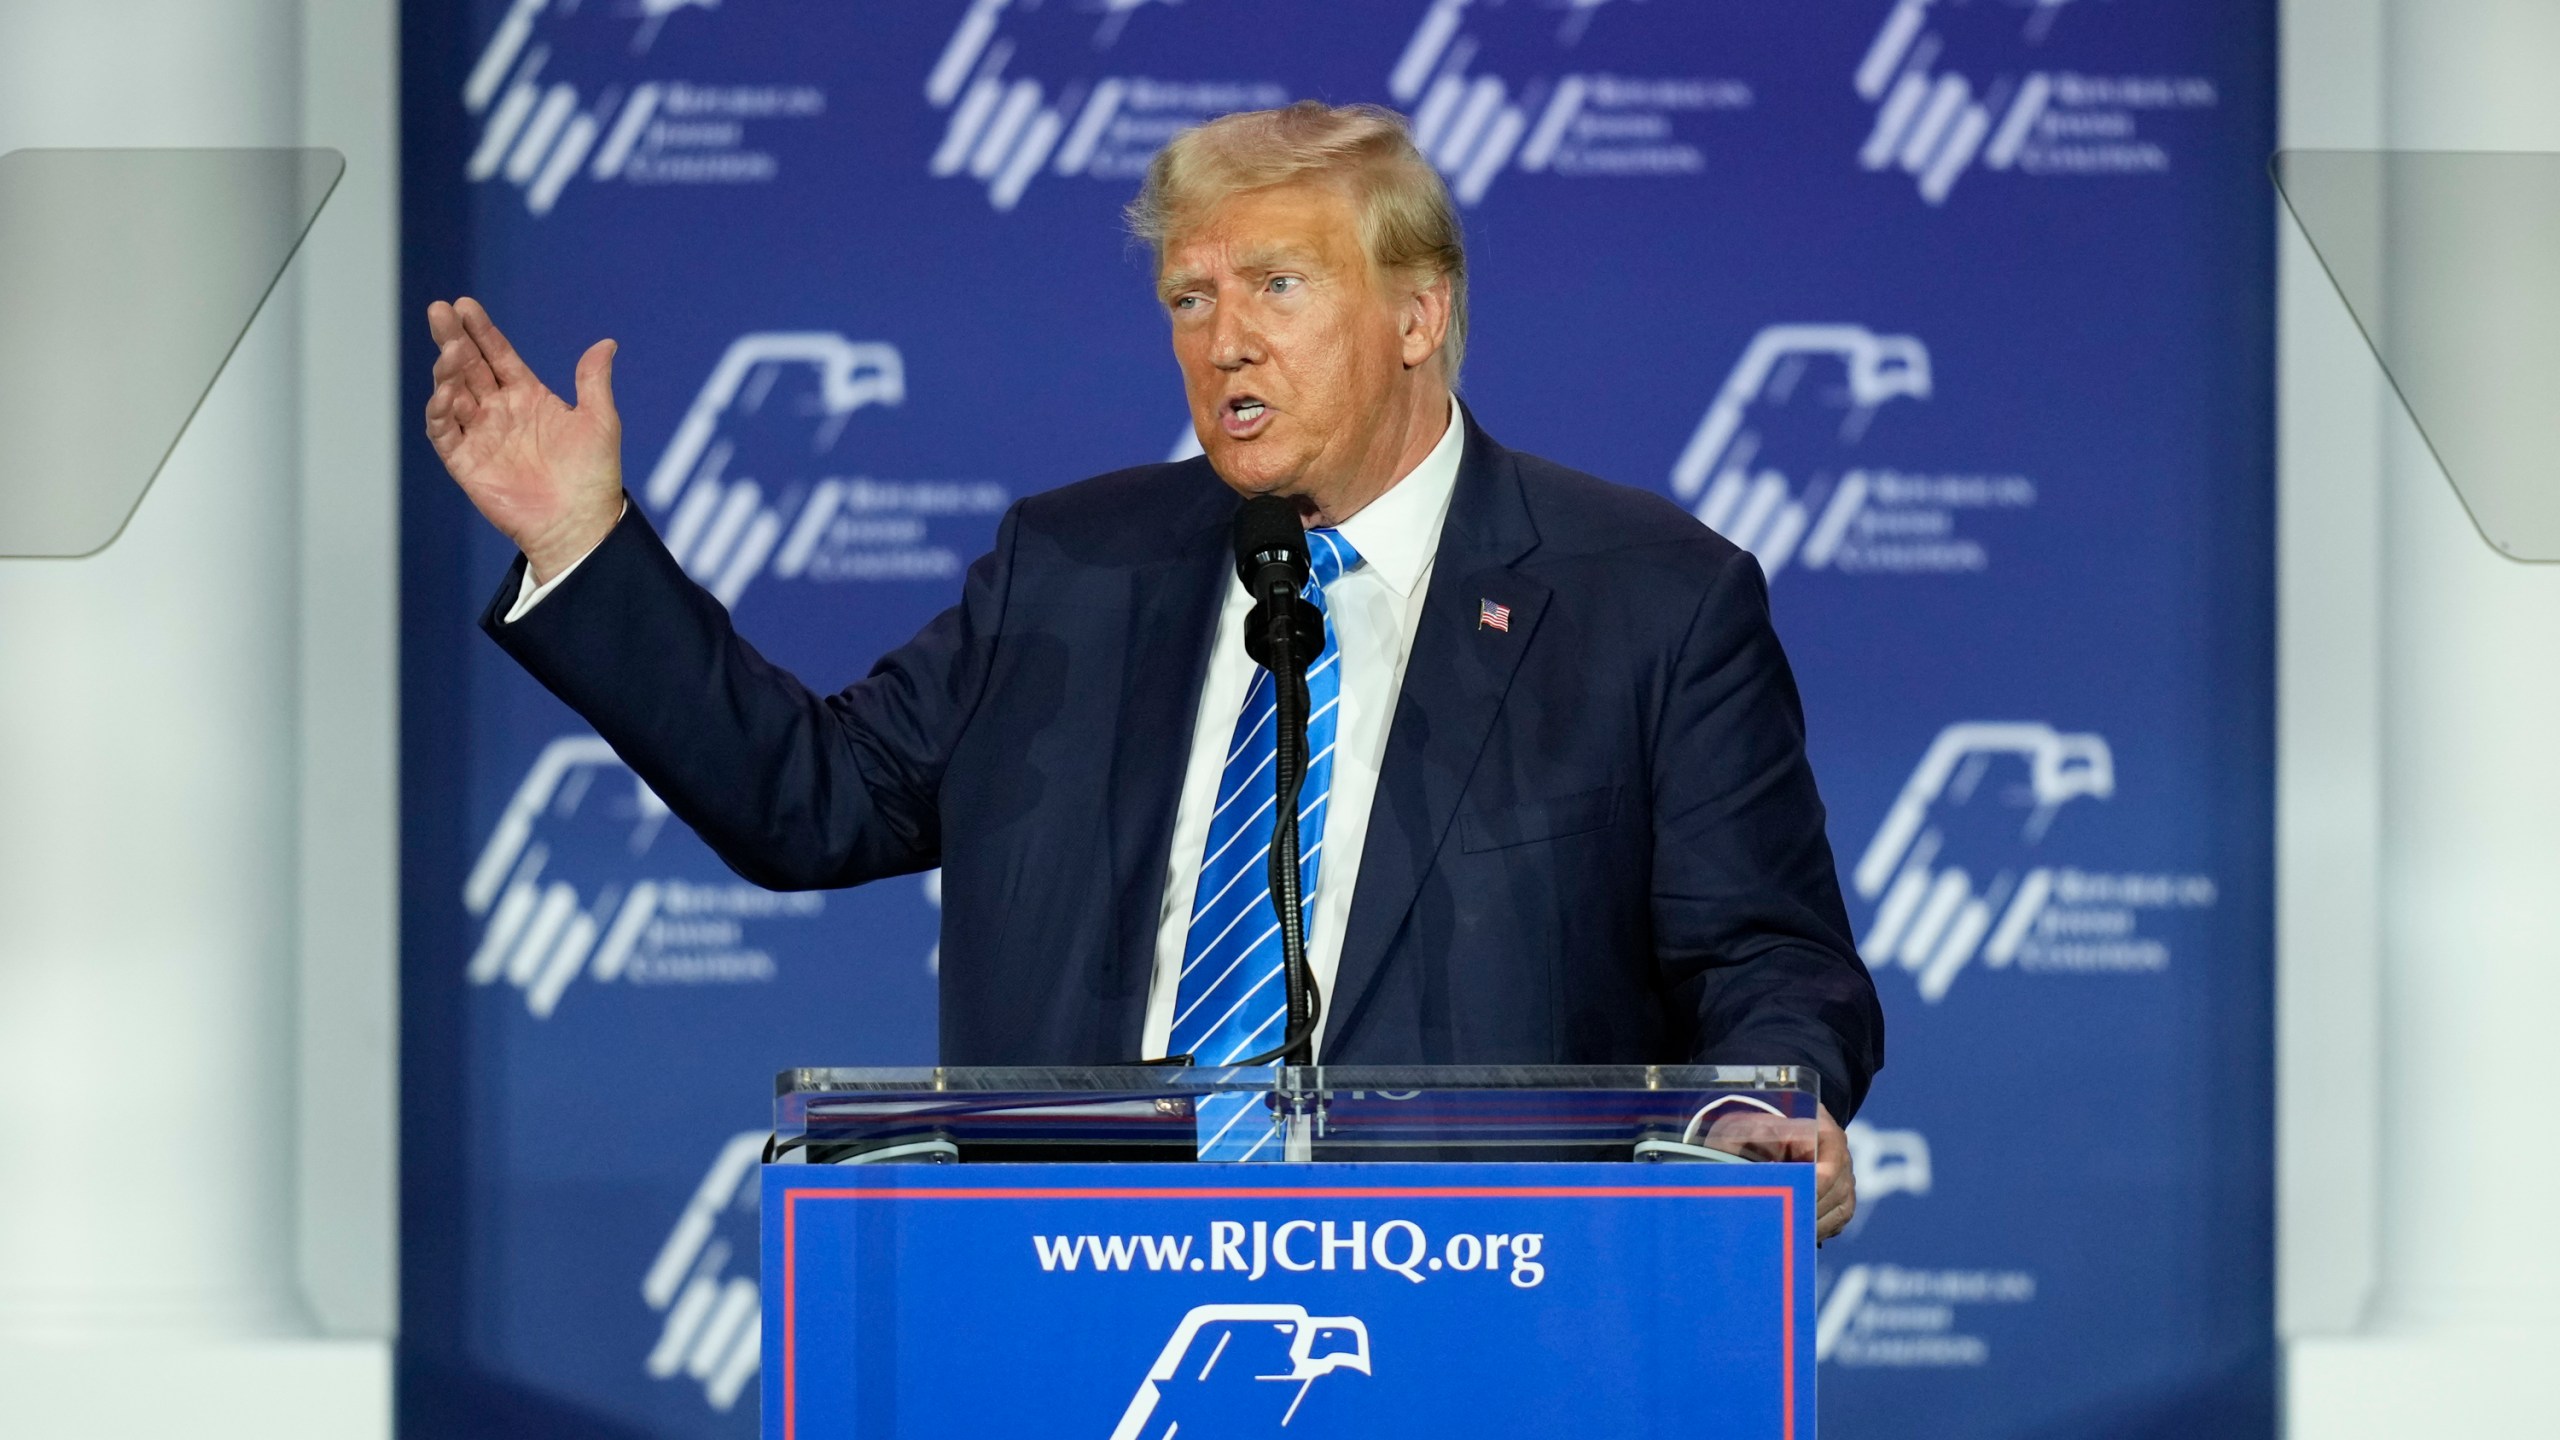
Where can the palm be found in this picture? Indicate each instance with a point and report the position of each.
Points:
(547, 474)
(527, 450)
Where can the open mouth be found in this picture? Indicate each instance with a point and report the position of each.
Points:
(1244, 416)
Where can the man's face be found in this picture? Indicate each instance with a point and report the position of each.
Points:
(1293, 354)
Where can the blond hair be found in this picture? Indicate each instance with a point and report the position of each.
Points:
(1407, 224)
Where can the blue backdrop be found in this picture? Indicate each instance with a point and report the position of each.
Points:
(1956, 312)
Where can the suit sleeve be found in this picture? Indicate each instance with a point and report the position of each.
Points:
(1749, 929)
(794, 790)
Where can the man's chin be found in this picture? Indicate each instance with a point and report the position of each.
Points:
(1251, 471)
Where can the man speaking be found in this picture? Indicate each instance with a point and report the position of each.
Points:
(1554, 804)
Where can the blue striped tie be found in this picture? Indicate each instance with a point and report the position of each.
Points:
(1231, 1002)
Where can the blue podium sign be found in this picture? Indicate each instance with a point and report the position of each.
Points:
(1322, 1300)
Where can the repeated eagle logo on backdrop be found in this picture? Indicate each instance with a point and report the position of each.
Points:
(702, 1283)
(559, 91)
(1952, 86)
(1011, 83)
(1966, 866)
(1960, 85)
(1780, 463)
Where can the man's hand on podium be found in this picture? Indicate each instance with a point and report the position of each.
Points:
(547, 474)
(1768, 1137)
(1835, 1180)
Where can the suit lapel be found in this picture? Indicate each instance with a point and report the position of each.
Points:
(1173, 614)
(1454, 685)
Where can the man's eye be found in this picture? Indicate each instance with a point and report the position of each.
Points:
(1186, 302)
(1282, 284)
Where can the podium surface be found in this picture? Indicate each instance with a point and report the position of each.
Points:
(1474, 1252)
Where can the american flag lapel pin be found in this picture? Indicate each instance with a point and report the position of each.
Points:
(1490, 616)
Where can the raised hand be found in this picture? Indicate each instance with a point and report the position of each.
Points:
(547, 474)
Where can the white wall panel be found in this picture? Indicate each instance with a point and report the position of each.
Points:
(197, 790)
(2466, 1306)
(147, 748)
(352, 418)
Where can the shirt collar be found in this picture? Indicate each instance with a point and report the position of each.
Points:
(1398, 533)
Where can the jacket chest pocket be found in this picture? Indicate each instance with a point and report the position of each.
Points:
(1538, 820)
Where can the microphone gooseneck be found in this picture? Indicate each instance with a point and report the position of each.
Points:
(1284, 634)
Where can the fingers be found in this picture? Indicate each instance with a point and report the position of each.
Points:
(451, 410)
(1759, 1135)
(458, 356)
(484, 332)
(595, 380)
(1835, 1199)
(1835, 1179)
(443, 431)
(443, 324)
(1745, 1133)
(455, 392)
(455, 397)
(460, 363)
(462, 377)
(1833, 1185)
(1830, 1220)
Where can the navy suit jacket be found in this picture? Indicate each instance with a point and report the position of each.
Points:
(1595, 838)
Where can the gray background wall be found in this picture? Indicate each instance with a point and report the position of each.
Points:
(196, 1138)
(2420, 1286)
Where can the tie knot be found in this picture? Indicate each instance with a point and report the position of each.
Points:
(1330, 556)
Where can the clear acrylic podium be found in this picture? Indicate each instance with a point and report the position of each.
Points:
(1411, 1252)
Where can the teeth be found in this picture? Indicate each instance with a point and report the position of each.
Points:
(1249, 410)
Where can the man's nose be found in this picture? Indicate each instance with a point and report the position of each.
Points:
(1235, 342)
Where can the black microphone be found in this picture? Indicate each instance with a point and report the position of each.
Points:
(1271, 561)
(1284, 634)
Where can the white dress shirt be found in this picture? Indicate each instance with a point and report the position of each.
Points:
(1373, 611)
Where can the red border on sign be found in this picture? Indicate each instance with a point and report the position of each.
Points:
(1785, 1195)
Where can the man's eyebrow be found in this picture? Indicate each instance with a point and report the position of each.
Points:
(1260, 259)
(1276, 257)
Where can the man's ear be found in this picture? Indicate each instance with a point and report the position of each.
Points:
(1426, 322)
